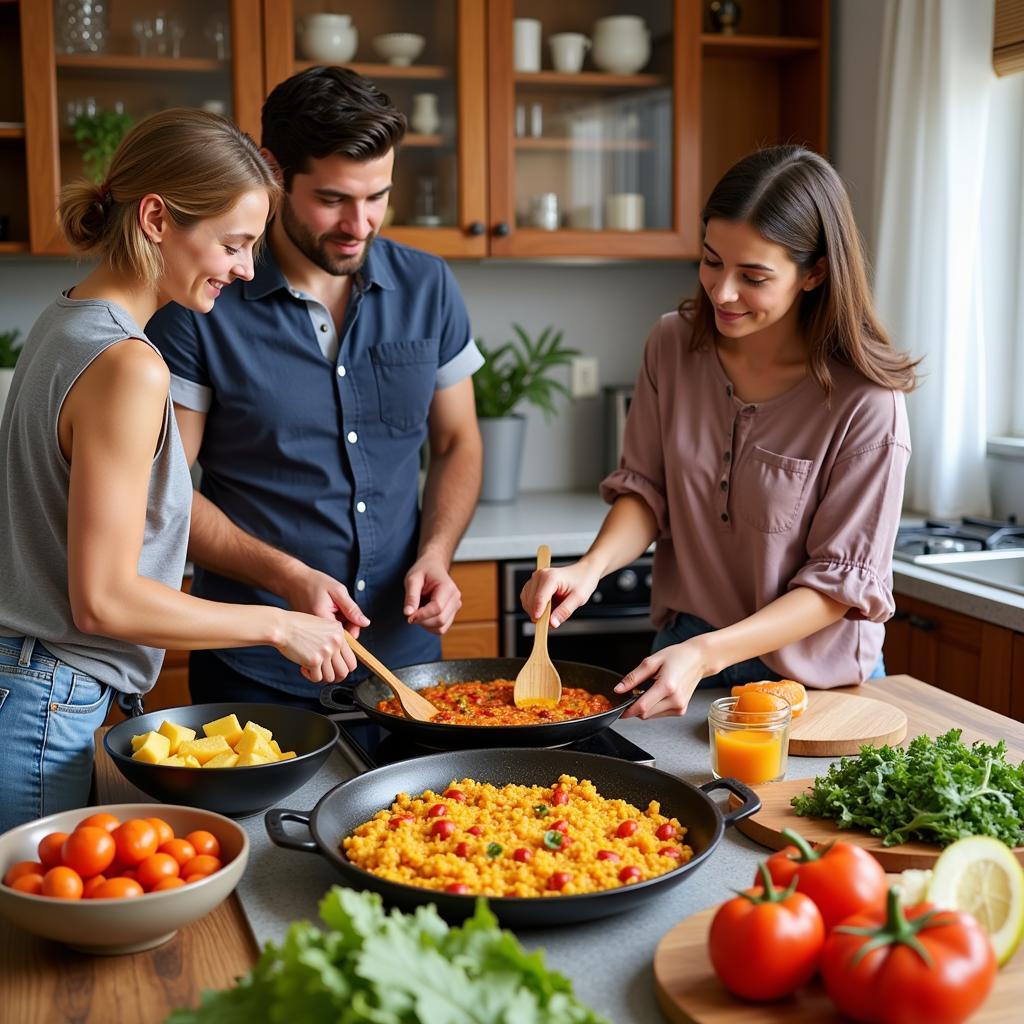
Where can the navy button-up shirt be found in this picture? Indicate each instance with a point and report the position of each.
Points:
(312, 442)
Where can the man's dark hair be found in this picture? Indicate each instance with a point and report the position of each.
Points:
(325, 111)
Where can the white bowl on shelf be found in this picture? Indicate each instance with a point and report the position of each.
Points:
(399, 49)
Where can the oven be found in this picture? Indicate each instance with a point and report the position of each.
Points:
(612, 630)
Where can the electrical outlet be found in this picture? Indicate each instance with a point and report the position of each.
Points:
(583, 377)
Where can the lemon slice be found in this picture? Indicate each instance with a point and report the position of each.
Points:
(981, 876)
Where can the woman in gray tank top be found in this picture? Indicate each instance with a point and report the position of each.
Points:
(95, 497)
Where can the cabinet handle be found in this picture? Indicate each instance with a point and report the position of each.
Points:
(925, 625)
(501, 229)
(476, 228)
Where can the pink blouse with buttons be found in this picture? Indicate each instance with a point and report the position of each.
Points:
(752, 500)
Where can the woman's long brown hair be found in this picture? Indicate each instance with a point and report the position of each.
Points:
(794, 198)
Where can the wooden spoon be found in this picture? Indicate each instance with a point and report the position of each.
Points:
(538, 682)
(412, 703)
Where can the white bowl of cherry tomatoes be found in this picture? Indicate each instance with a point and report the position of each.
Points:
(118, 878)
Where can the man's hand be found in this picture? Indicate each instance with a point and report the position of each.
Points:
(429, 581)
(309, 590)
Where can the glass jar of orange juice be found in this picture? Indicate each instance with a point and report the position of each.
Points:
(749, 745)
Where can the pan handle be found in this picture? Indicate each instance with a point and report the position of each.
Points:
(338, 697)
(275, 818)
(751, 801)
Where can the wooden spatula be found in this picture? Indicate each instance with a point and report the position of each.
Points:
(538, 682)
(412, 703)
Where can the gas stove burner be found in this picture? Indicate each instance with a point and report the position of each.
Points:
(971, 534)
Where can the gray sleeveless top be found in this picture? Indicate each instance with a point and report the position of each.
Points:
(34, 483)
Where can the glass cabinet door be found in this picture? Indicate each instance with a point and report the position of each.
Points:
(592, 114)
(428, 56)
(95, 67)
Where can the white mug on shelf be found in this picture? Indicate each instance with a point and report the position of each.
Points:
(328, 38)
(568, 50)
(526, 44)
(425, 119)
(624, 211)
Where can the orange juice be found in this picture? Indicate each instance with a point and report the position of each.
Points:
(750, 755)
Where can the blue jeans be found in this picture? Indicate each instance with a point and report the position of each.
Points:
(685, 627)
(48, 714)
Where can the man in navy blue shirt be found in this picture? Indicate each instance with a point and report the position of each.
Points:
(307, 395)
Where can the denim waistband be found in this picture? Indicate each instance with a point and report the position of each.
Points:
(27, 649)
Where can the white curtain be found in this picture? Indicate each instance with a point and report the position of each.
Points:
(935, 121)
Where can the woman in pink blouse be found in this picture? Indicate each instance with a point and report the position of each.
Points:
(765, 452)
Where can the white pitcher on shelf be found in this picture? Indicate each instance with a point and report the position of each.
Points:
(622, 44)
(425, 119)
(329, 38)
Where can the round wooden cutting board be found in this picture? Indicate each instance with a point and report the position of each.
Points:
(840, 723)
(766, 827)
(688, 989)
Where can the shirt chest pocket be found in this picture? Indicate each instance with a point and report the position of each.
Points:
(405, 372)
(769, 489)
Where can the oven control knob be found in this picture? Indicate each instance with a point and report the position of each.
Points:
(596, 597)
(649, 580)
(627, 580)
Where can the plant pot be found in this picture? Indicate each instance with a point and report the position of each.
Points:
(503, 457)
(6, 376)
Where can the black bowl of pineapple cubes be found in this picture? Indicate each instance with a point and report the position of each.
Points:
(233, 758)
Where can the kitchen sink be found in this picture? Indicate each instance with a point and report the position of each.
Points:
(996, 568)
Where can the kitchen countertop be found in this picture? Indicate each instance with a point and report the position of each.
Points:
(568, 521)
(609, 961)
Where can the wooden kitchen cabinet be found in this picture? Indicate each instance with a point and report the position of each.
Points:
(474, 634)
(958, 653)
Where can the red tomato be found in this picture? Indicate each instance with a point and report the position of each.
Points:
(117, 888)
(559, 796)
(107, 821)
(63, 883)
(136, 840)
(462, 850)
(23, 867)
(458, 888)
(765, 943)
(443, 828)
(522, 855)
(455, 794)
(841, 878)
(671, 851)
(559, 880)
(90, 887)
(666, 831)
(157, 868)
(164, 832)
(30, 883)
(437, 811)
(919, 966)
(630, 873)
(204, 842)
(89, 850)
(204, 864)
(561, 826)
(476, 830)
(626, 828)
(608, 855)
(49, 849)
(180, 849)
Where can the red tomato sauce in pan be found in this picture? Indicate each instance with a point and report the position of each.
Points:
(476, 703)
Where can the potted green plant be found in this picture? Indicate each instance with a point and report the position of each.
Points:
(517, 371)
(98, 136)
(8, 357)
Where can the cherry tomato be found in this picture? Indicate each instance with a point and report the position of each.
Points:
(31, 883)
(136, 840)
(203, 864)
(462, 850)
(921, 964)
(180, 849)
(117, 888)
(559, 880)
(164, 832)
(168, 883)
(443, 827)
(765, 943)
(397, 822)
(204, 842)
(666, 831)
(559, 796)
(626, 828)
(156, 868)
(841, 878)
(89, 850)
(437, 811)
(101, 820)
(671, 851)
(90, 887)
(523, 855)
(630, 873)
(63, 883)
(23, 867)
(49, 849)
(455, 794)
(476, 830)
(608, 855)
(561, 826)
(458, 888)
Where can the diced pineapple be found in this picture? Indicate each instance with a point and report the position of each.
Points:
(286, 755)
(262, 730)
(191, 761)
(154, 749)
(177, 734)
(227, 727)
(204, 749)
(275, 747)
(249, 759)
(175, 761)
(255, 743)
(226, 759)
(137, 741)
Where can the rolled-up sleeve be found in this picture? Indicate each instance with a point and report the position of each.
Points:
(851, 538)
(642, 466)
